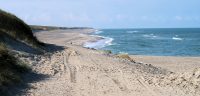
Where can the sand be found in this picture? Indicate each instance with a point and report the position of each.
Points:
(174, 64)
(78, 71)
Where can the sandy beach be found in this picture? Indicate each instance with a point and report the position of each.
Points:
(78, 71)
(174, 64)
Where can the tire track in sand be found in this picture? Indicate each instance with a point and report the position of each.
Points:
(142, 82)
(72, 69)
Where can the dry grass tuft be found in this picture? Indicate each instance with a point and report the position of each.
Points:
(125, 56)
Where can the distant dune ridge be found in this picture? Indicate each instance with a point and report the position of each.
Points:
(48, 28)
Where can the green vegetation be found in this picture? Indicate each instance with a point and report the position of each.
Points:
(11, 68)
(106, 51)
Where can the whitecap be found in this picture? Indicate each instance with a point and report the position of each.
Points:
(177, 38)
(135, 31)
(109, 41)
(123, 53)
(98, 32)
(106, 41)
(152, 36)
(97, 36)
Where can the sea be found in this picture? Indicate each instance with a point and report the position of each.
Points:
(149, 41)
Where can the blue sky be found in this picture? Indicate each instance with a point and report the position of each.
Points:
(107, 13)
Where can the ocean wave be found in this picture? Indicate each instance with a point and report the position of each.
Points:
(177, 38)
(135, 31)
(106, 41)
(155, 37)
(97, 36)
(98, 31)
(123, 53)
(152, 36)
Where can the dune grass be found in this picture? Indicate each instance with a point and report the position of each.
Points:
(11, 68)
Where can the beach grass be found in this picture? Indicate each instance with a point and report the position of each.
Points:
(125, 56)
(11, 68)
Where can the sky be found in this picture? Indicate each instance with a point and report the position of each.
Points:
(107, 13)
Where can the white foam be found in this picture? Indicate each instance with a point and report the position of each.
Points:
(155, 37)
(106, 41)
(123, 53)
(135, 31)
(97, 36)
(150, 36)
(109, 41)
(176, 38)
(98, 31)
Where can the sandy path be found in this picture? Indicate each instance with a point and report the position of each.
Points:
(77, 71)
(89, 76)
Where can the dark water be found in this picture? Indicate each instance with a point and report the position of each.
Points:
(158, 42)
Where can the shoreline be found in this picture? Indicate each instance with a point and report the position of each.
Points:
(172, 63)
(99, 42)
(79, 71)
(81, 37)
(103, 41)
